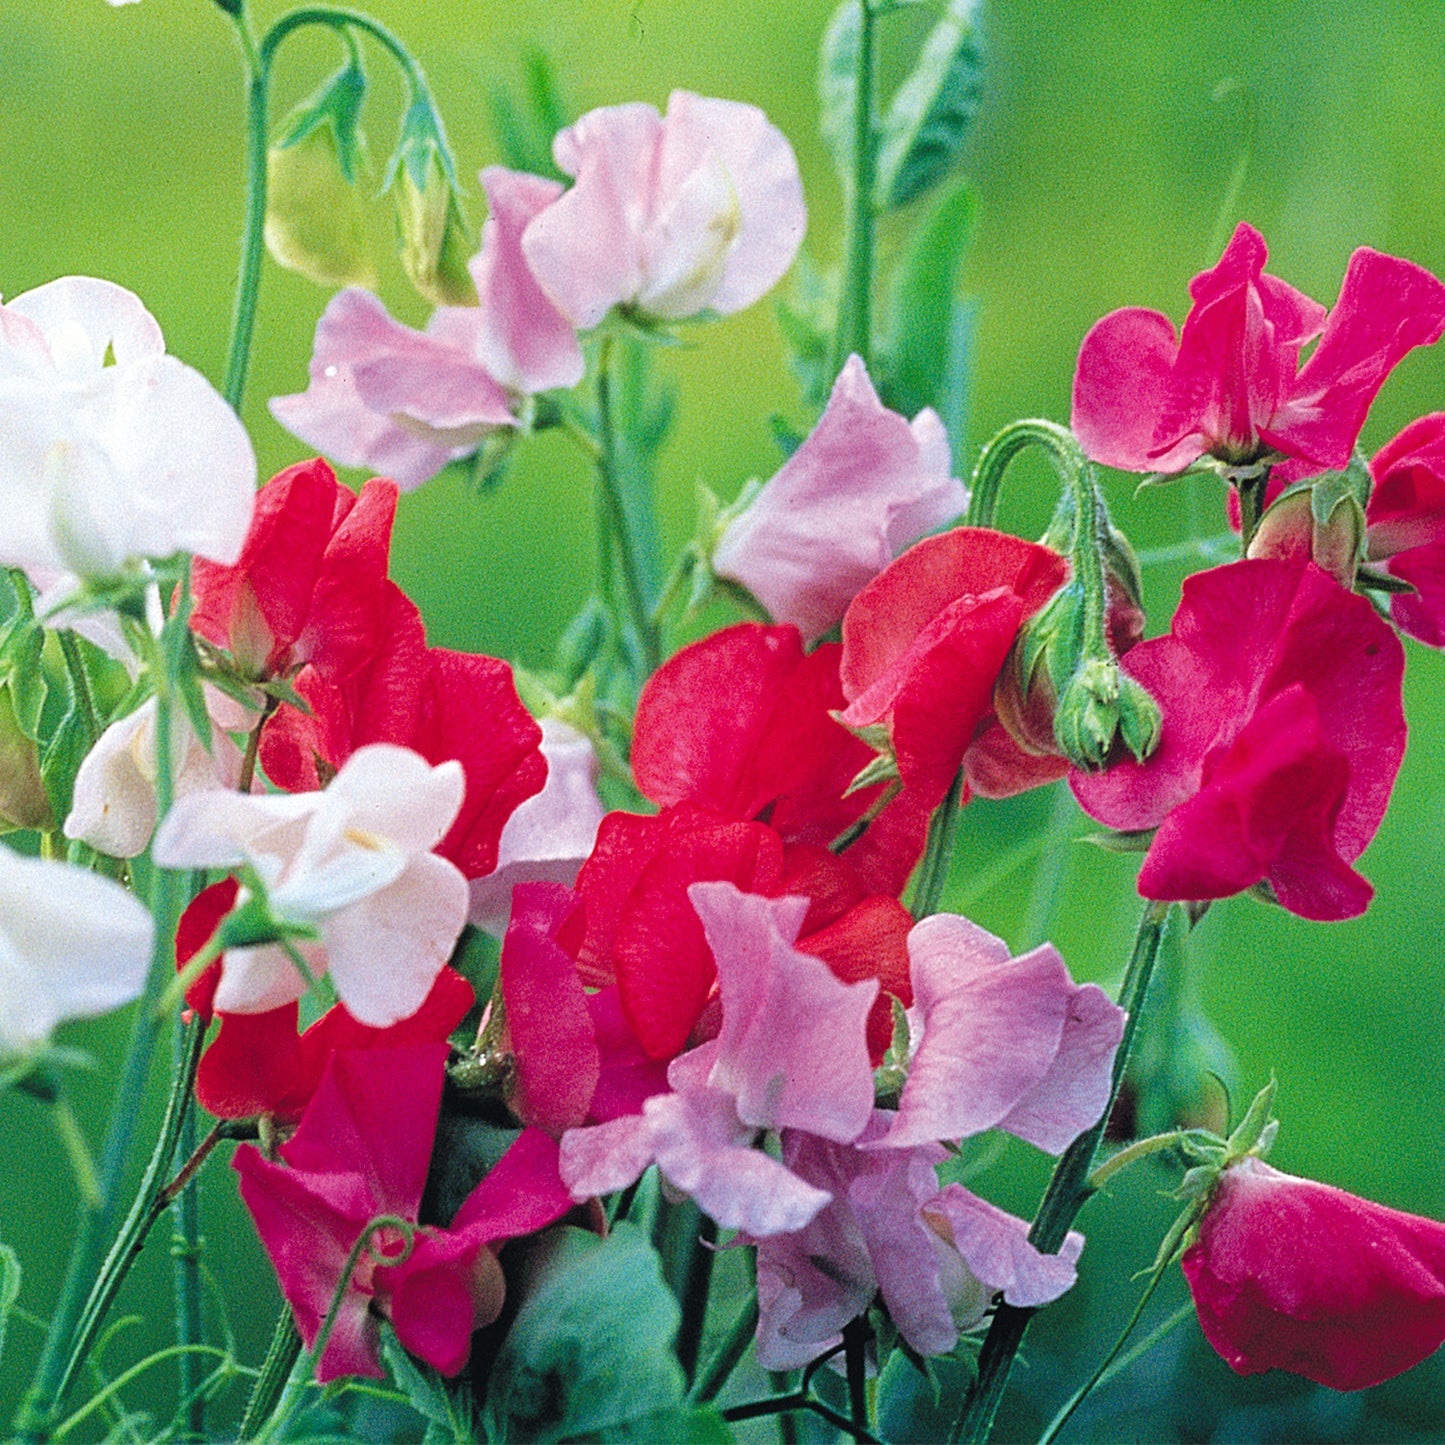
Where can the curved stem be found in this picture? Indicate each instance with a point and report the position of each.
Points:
(1057, 441)
(248, 279)
(855, 306)
(1067, 1191)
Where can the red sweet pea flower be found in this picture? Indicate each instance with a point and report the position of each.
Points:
(1292, 1275)
(308, 585)
(924, 641)
(440, 703)
(362, 1150)
(1283, 732)
(1230, 384)
(1405, 525)
(742, 723)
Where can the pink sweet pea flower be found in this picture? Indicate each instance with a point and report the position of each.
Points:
(862, 487)
(407, 402)
(114, 452)
(791, 1054)
(550, 835)
(700, 209)
(362, 1150)
(1283, 731)
(309, 585)
(924, 641)
(1292, 1275)
(1231, 384)
(354, 862)
(1405, 525)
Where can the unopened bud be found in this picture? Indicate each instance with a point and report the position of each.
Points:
(1099, 705)
(432, 233)
(1322, 522)
(23, 800)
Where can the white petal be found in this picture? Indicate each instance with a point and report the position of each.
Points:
(396, 794)
(83, 317)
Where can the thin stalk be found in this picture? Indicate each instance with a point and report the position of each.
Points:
(725, 1358)
(855, 1337)
(1057, 441)
(854, 333)
(186, 1254)
(77, 1151)
(701, 1254)
(937, 853)
(63, 1350)
(281, 1357)
(1067, 1191)
(253, 225)
(613, 520)
(800, 1400)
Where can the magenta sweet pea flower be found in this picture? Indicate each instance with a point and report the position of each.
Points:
(1230, 384)
(699, 209)
(1283, 731)
(405, 402)
(864, 485)
(360, 1151)
(1292, 1275)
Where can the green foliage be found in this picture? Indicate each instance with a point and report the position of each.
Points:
(838, 84)
(9, 1287)
(524, 127)
(806, 318)
(337, 104)
(931, 341)
(590, 1352)
(918, 1398)
(932, 110)
(447, 1412)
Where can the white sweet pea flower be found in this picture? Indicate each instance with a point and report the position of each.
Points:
(110, 450)
(72, 944)
(355, 863)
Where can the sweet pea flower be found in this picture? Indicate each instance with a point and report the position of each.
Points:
(113, 805)
(361, 1151)
(1283, 731)
(355, 863)
(924, 642)
(699, 209)
(1231, 384)
(791, 1053)
(864, 485)
(113, 452)
(550, 835)
(1293, 1275)
(407, 402)
(72, 944)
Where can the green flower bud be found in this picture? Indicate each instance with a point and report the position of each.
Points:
(432, 233)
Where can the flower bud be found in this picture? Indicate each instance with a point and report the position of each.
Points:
(23, 800)
(431, 231)
(1319, 524)
(315, 218)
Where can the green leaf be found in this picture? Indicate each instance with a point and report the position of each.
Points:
(929, 118)
(524, 128)
(28, 687)
(447, 1412)
(590, 1352)
(678, 1426)
(932, 331)
(918, 1398)
(9, 1287)
(838, 84)
(61, 761)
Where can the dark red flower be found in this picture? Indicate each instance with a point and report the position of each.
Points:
(1283, 731)
(1230, 384)
(924, 641)
(1292, 1275)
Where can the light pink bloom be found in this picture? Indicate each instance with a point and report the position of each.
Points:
(702, 208)
(405, 402)
(72, 944)
(1008, 1043)
(353, 861)
(550, 835)
(110, 450)
(937, 1257)
(864, 486)
(792, 1054)
(114, 803)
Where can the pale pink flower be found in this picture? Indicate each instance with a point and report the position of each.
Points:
(113, 807)
(863, 487)
(110, 450)
(405, 402)
(551, 834)
(355, 863)
(72, 944)
(699, 209)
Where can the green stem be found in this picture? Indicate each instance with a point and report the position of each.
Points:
(1139, 1149)
(77, 1151)
(1067, 1191)
(855, 306)
(614, 518)
(1057, 441)
(281, 1357)
(725, 1358)
(702, 1252)
(186, 1252)
(937, 853)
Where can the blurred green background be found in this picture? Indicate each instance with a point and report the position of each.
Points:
(1100, 162)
